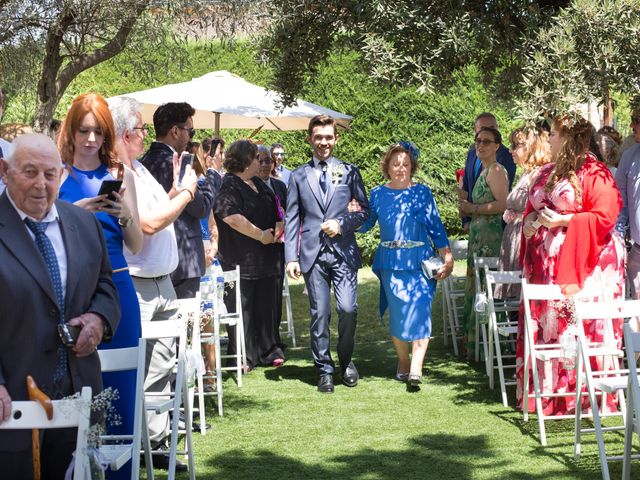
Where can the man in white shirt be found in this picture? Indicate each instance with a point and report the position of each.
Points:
(151, 268)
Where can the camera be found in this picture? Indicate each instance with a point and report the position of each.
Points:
(431, 266)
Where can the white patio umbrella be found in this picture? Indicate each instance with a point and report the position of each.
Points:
(225, 100)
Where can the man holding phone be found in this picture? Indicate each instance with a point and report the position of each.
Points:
(173, 123)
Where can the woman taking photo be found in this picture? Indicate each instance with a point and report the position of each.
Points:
(87, 146)
(409, 224)
(485, 230)
(246, 215)
(572, 208)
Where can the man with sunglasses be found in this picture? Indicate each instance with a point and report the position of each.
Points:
(473, 165)
(173, 123)
(278, 154)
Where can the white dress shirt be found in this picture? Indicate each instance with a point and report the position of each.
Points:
(54, 234)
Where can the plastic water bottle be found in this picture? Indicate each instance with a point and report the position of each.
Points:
(218, 275)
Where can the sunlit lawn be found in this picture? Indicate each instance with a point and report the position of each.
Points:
(277, 426)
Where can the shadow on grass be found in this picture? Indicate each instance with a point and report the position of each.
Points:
(428, 457)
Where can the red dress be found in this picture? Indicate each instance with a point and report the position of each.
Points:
(587, 250)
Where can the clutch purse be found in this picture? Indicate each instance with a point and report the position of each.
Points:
(431, 266)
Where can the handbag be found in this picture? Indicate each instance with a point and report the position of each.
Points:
(431, 266)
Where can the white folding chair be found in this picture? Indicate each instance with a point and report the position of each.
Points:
(221, 317)
(610, 380)
(632, 346)
(286, 297)
(501, 331)
(534, 353)
(173, 401)
(453, 289)
(479, 264)
(67, 413)
(189, 310)
(119, 449)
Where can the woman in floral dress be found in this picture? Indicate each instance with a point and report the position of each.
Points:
(485, 231)
(576, 203)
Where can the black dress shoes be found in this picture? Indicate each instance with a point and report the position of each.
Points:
(350, 375)
(325, 384)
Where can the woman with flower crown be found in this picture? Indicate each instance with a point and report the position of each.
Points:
(569, 241)
(409, 224)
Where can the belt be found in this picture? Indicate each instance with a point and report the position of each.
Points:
(161, 277)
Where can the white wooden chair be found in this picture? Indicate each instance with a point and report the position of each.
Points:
(632, 346)
(453, 290)
(67, 413)
(611, 380)
(173, 401)
(501, 331)
(119, 449)
(479, 264)
(286, 297)
(534, 353)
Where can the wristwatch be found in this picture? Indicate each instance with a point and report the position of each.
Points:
(125, 222)
(107, 334)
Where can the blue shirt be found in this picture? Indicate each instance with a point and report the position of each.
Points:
(473, 167)
(628, 181)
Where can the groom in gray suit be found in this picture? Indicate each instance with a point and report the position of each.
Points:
(320, 244)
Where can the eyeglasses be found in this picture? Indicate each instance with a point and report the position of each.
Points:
(144, 130)
(265, 161)
(515, 146)
(192, 131)
(279, 154)
(484, 141)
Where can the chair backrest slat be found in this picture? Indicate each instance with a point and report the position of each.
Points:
(608, 310)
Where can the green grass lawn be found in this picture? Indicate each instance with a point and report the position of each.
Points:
(277, 426)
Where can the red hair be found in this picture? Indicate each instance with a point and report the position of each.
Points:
(81, 106)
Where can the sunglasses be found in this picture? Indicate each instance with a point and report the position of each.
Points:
(192, 131)
(265, 161)
(484, 141)
(515, 146)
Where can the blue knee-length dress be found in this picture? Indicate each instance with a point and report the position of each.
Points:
(408, 214)
(84, 184)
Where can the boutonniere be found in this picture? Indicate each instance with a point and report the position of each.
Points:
(336, 174)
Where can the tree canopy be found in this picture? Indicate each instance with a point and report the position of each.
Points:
(547, 55)
(46, 44)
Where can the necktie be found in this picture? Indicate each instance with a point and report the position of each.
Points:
(323, 176)
(49, 256)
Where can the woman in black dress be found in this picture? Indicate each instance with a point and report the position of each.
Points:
(246, 214)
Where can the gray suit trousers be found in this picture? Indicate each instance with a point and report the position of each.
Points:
(329, 268)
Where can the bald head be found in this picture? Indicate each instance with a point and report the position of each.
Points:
(32, 174)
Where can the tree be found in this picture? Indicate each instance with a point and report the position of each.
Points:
(589, 50)
(46, 44)
(406, 42)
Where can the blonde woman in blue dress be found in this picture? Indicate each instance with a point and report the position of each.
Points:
(410, 231)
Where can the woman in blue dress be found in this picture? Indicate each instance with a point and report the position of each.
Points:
(409, 225)
(87, 145)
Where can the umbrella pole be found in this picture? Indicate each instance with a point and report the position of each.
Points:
(216, 125)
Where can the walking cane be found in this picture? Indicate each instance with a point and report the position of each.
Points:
(38, 395)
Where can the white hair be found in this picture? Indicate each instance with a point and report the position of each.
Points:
(33, 140)
(123, 111)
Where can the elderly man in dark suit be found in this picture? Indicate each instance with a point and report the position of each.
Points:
(54, 270)
(320, 244)
(173, 123)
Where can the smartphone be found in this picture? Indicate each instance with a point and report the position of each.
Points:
(68, 334)
(110, 186)
(186, 159)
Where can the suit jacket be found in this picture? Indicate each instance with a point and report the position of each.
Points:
(191, 262)
(280, 189)
(29, 312)
(306, 211)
